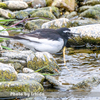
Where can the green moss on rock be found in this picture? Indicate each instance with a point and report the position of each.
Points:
(3, 5)
(21, 86)
(44, 14)
(7, 76)
(39, 63)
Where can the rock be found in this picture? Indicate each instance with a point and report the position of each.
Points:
(34, 61)
(71, 15)
(93, 12)
(67, 4)
(91, 2)
(52, 80)
(21, 14)
(81, 22)
(17, 66)
(88, 30)
(43, 61)
(27, 70)
(7, 73)
(86, 85)
(6, 13)
(58, 23)
(28, 86)
(16, 5)
(37, 3)
(43, 14)
(31, 76)
(83, 8)
(35, 24)
(49, 2)
(53, 10)
(3, 5)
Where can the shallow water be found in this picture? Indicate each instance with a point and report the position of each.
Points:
(81, 66)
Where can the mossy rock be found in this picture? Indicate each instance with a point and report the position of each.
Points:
(86, 85)
(93, 12)
(3, 5)
(45, 60)
(7, 73)
(35, 24)
(21, 86)
(85, 39)
(43, 14)
(49, 2)
(21, 14)
(53, 10)
(91, 2)
(7, 76)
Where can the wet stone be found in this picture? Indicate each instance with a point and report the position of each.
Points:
(31, 76)
(52, 80)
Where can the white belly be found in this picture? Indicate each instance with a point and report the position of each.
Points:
(44, 45)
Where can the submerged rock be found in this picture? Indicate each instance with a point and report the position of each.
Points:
(7, 73)
(52, 80)
(86, 85)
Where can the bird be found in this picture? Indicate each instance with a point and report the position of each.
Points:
(45, 40)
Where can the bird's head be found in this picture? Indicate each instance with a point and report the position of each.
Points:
(66, 33)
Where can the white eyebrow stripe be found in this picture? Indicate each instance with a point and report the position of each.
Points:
(66, 31)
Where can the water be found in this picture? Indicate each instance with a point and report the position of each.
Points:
(82, 66)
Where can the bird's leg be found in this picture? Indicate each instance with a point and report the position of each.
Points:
(64, 57)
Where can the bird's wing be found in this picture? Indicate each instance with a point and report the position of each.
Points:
(40, 35)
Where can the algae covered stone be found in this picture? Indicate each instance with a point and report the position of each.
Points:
(42, 59)
(21, 86)
(21, 14)
(93, 12)
(3, 5)
(43, 14)
(35, 24)
(7, 73)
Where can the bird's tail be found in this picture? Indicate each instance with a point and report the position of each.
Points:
(10, 37)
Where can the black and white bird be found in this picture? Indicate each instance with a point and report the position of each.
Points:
(44, 40)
